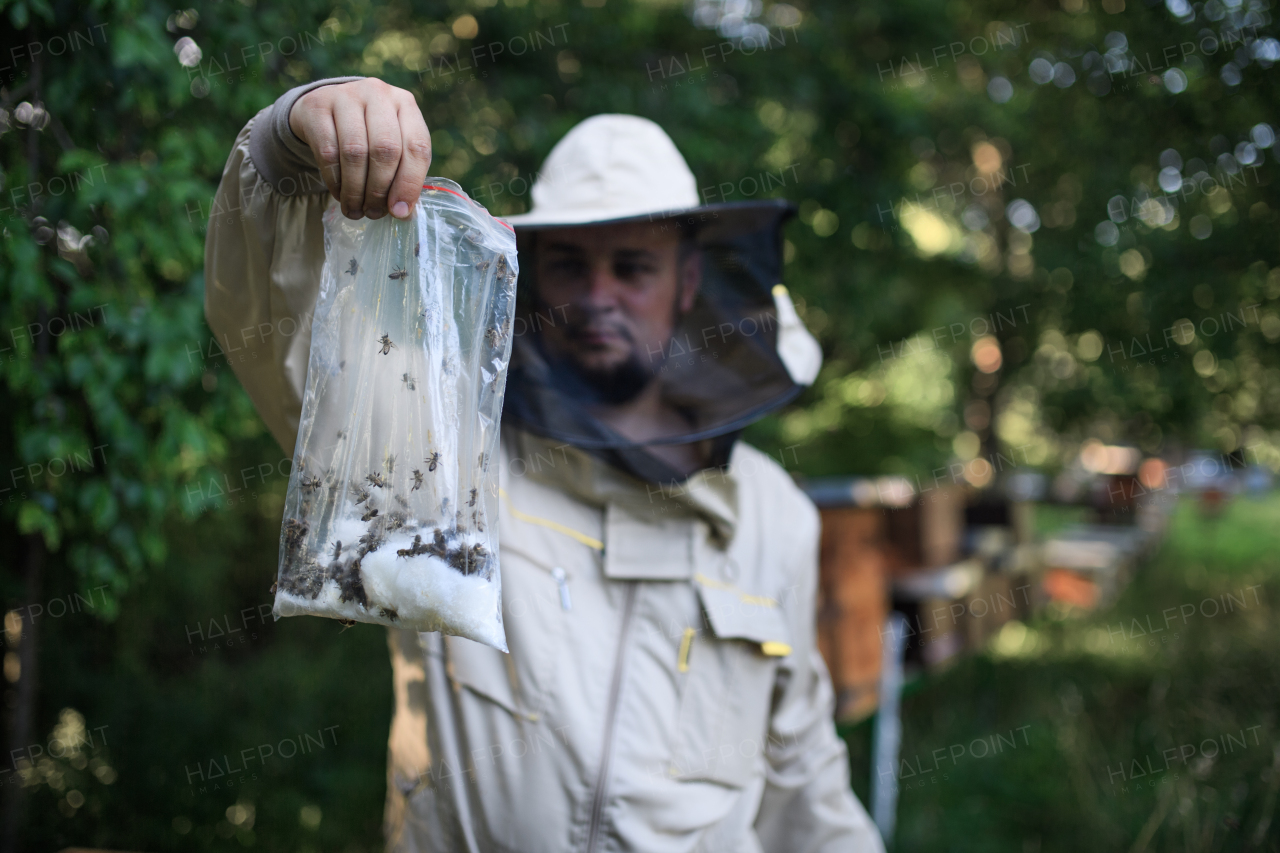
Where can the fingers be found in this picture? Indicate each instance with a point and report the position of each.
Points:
(383, 144)
(415, 158)
(370, 143)
(314, 124)
(353, 154)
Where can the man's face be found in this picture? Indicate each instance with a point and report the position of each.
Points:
(622, 288)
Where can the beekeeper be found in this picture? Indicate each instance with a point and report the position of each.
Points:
(663, 690)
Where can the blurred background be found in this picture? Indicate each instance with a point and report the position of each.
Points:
(1037, 240)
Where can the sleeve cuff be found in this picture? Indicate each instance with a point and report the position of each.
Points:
(282, 159)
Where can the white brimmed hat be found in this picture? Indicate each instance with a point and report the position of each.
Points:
(615, 168)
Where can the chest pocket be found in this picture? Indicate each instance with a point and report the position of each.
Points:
(728, 671)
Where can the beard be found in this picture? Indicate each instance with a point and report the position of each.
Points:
(611, 386)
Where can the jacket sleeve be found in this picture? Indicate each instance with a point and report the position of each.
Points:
(808, 803)
(263, 253)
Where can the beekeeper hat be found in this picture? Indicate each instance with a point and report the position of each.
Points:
(613, 169)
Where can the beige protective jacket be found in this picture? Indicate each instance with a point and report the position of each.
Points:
(663, 692)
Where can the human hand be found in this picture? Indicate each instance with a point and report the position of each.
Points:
(370, 142)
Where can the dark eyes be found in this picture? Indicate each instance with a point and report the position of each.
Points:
(624, 270)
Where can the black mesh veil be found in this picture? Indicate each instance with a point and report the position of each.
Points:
(720, 370)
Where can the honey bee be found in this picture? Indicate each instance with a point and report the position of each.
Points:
(493, 336)
(504, 270)
(398, 273)
(294, 532)
(274, 586)
(482, 460)
(346, 623)
(373, 513)
(412, 551)
(388, 613)
(408, 381)
(337, 549)
(391, 464)
(310, 483)
(417, 247)
(400, 500)
(432, 461)
(483, 265)
(376, 480)
(417, 480)
(353, 268)
(362, 495)
(472, 502)
(386, 343)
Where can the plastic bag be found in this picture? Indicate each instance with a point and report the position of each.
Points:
(391, 514)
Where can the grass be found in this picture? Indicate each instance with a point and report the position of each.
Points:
(1150, 726)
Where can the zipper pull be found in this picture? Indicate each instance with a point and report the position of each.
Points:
(562, 581)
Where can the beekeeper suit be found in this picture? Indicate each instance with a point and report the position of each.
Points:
(663, 690)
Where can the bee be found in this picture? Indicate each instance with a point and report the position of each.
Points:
(472, 235)
(346, 623)
(373, 513)
(417, 247)
(376, 480)
(274, 586)
(413, 550)
(494, 336)
(482, 460)
(310, 483)
(342, 433)
(417, 480)
(400, 500)
(472, 502)
(408, 381)
(386, 343)
(483, 265)
(294, 532)
(504, 270)
(362, 495)
(337, 549)
(353, 268)
(388, 613)
(398, 273)
(391, 464)
(432, 461)
(396, 521)
(370, 542)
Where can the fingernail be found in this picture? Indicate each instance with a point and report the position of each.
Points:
(373, 213)
(400, 210)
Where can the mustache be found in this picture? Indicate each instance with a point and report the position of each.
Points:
(585, 321)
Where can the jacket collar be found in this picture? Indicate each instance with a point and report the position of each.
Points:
(710, 494)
